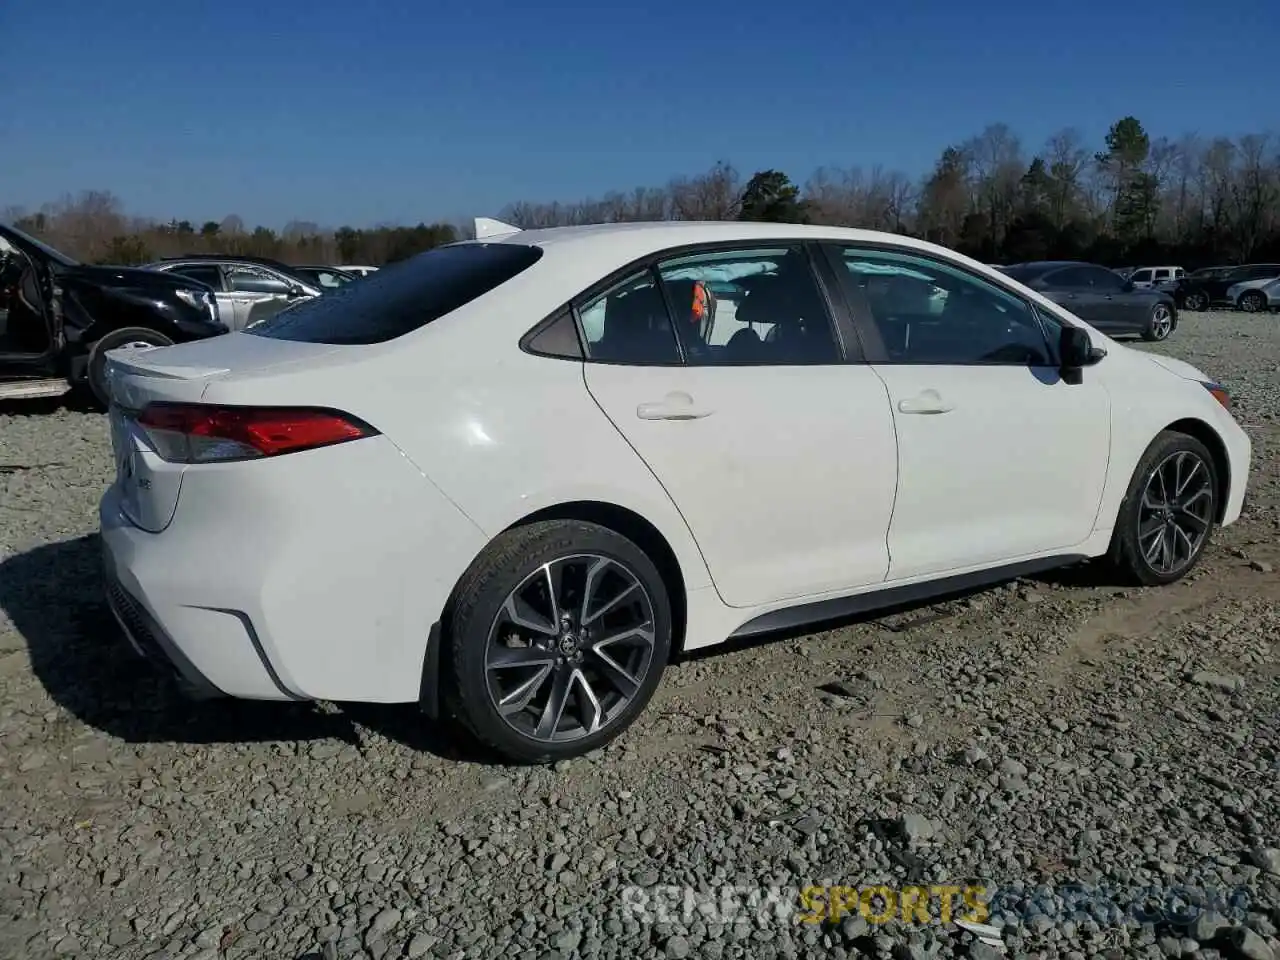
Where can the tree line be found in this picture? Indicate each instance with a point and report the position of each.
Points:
(1133, 199)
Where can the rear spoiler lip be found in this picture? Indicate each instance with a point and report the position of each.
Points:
(487, 228)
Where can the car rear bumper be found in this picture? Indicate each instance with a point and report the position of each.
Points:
(312, 576)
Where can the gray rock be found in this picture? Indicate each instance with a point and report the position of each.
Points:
(1250, 946)
(1231, 683)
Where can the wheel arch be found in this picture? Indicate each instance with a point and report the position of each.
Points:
(643, 534)
(1203, 432)
(619, 519)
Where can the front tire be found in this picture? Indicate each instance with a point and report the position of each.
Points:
(95, 371)
(1252, 302)
(557, 640)
(1169, 513)
(1159, 323)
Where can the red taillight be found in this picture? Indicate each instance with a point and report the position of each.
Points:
(201, 433)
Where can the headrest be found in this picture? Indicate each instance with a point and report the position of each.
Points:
(770, 299)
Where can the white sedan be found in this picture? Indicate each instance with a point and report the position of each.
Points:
(510, 478)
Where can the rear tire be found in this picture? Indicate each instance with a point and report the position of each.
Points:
(1252, 302)
(95, 371)
(1159, 323)
(557, 640)
(1168, 515)
(1197, 301)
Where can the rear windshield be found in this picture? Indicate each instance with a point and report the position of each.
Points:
(400, 298)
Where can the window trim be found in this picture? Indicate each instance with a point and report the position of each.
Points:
(861, 312)
(845, 331)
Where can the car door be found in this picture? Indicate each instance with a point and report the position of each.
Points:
(211, 274)
(1112, 304)
(257, 292)
(779, 454)
(1142, 278)
(999, 459)
(1071, 287)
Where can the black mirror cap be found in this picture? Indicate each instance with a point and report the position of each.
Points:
(1076, 349)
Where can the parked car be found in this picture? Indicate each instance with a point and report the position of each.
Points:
(515, 476)
(1190, 292)
(326, 278)
(1211, 290)
(248, 289)
(59, 317)
(1256, 295)
(359, 271)
(1146, 277)
(1101, 297)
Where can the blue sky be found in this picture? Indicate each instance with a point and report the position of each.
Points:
(395, 110)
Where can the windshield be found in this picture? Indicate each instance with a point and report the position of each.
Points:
(31, 242)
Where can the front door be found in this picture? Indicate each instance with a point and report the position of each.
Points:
(28, 334)
(999, 459)
(780, 456)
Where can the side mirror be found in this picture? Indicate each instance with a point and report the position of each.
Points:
(1076, 349)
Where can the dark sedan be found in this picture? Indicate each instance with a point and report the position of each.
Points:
(1100, 297)
(1208, 288)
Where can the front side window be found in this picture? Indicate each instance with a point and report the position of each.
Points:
(749, 306)
(1104, 281)
(1142, 276)
(1072, 278)
(927, 311)
(628, 323)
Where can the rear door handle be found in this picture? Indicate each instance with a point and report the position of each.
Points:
(674, 406)
(927, 402)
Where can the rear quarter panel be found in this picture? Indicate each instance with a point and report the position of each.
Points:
(503, 434)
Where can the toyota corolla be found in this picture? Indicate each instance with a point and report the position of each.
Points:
(510, 478)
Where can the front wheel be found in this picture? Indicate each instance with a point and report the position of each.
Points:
(1253, 302)
(1197, 301)
(96, 374)
(1168, 514)
(558, 638)
(1159, 323)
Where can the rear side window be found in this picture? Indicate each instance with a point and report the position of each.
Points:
(400, 298)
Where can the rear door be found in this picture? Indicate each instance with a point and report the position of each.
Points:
(780, 455)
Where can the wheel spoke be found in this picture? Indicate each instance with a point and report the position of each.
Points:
(590, 712)
(557, 699)
(522, 615)
(613, 671)
(611, 604)
(549, 576)
(520, 697)
(1186, 481)
(1149, 528)
(1198, 524)
(504, 657)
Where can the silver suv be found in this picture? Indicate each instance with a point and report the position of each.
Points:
(248, 289)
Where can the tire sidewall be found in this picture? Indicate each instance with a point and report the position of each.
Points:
(1126, 550)
(94, 370)
(468, 678)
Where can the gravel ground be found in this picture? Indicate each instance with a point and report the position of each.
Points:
(1048, 736)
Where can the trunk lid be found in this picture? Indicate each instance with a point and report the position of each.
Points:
(149, 485)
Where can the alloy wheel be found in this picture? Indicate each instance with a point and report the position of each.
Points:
(1176, 512)
(1252, 302)
(570, 648)
(1198, 301)
(1161, 322)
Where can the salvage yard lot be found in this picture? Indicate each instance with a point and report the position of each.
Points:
(1050, 731)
